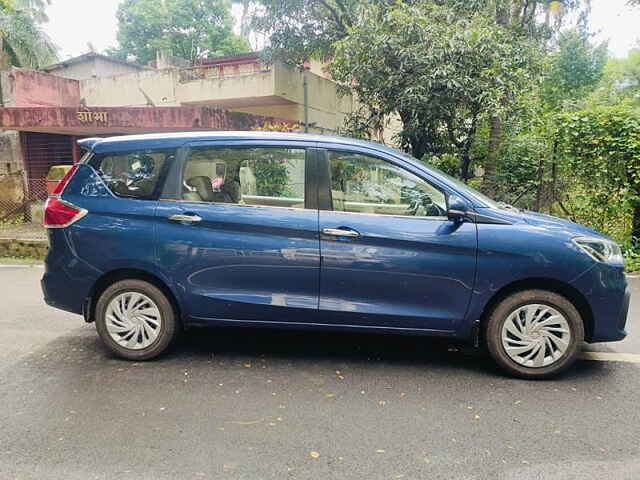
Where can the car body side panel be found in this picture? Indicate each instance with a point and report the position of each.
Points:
(242, 262)
(401, 272)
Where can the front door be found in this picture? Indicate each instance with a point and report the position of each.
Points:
(242, 236)
(390, 257)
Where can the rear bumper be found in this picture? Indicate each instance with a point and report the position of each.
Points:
(67, 281)
(54, 288)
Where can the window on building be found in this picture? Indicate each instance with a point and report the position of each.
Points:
(246, 176)
(365, 184)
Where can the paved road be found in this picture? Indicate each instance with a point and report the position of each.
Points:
(271, 405)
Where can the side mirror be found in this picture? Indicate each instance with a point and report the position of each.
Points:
(457, 208)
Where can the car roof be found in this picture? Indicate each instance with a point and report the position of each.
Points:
(175, 140)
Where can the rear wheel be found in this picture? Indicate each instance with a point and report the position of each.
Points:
(135, 320)
(534, 334)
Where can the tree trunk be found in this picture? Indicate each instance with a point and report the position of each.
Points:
(244, 20)
(504, 10)
(465, 153)
(538, 203)
(495, 139)
(465, 166)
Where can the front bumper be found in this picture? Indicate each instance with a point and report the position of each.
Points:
(606, 290)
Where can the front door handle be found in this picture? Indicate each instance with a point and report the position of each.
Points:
(185, 218)
(341, 232)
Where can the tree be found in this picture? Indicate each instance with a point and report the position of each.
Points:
(575, 70)
(187, 29)
(522, 19)
(300, 29)
(440, 71)
(34, 8)
(22, 42)
(601, 148)
(620, 82)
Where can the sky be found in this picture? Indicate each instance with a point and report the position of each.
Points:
(75, 23)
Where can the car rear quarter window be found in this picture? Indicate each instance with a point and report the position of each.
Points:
(137, 174)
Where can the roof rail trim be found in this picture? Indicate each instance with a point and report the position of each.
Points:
(89, 143)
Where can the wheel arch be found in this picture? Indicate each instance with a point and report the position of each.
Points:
(549, 284)
(116, 275)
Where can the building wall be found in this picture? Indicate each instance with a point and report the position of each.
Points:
(276, 91)
(95, 67)
(129, 90)
(28, 88)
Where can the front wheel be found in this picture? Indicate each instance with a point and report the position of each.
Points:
(135, 320)
(534, 334)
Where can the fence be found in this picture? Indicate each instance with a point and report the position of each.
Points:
(21, 207)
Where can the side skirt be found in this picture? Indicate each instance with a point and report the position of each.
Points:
(211, 322)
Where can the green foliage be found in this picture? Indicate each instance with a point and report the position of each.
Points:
(271, 177)
(601, 149)
(301, 29)
(575, 69)
(632, 259)
(187, 29)
(620, 83)
(22, 42)
(517, 172)
(438, 70)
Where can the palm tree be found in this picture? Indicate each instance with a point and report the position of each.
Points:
(23, 43)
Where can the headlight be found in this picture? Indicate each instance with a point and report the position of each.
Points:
(600, 249)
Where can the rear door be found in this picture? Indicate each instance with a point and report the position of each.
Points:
(238, 230)
(390, 256)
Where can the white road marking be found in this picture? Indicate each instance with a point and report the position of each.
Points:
(611, 357)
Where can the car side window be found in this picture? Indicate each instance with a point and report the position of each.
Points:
(365, 184)
(245, 176)
(134, 174)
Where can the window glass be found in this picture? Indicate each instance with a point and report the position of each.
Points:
(245, 176)
(364, 184)
(134, 174)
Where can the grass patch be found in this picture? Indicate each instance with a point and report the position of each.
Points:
(20, 261)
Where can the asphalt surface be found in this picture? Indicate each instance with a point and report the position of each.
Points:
(250, 404)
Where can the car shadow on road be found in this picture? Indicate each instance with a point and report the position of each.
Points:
(355, 348)
(82, 350)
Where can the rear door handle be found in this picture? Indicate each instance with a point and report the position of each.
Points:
(185, 218)
(341, 232)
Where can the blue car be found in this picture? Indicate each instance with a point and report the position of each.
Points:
(150, 235)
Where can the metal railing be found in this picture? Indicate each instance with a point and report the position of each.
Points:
(208, 72)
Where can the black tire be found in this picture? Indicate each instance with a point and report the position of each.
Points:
(499, 315)
(168, 325)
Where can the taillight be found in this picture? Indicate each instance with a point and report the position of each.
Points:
(63, 183)
(60, 214)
